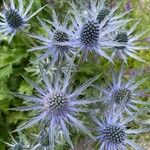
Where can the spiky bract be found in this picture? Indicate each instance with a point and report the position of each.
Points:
(88, 34)
(123, 94)
(56, 106)
(112, 132)
(14, 19)
(130, 44)
(50, 44)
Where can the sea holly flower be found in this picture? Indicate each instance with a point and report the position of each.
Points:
(123, 94)
(113, 132)
(57, 105)
(50, 42)
(98, 9)
(130, 44)
(88, 34)
(14, 19)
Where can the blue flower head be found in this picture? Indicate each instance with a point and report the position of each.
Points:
(56, 106)
(112, 132)
(98, 9)
(130, 43)
(88, 33)
(14, 19)
(123, 94)
(50, 43)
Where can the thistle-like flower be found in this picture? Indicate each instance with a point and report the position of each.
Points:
(130, 44)
(14, 19)
(112, 131)
(50, 43)
(123, 94)
(56, 106)
(98, 9)
(88, 34)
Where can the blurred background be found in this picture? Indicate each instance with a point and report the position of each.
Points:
(15, 60)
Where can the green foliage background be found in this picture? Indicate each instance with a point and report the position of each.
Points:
(15, 60)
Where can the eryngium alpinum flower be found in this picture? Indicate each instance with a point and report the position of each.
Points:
(56, 105)
(112, 131)
(14, 19)
(123, 94)
(49, 43)
(88, 34)
(130, 43)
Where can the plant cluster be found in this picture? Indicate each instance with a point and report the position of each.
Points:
(90, 29)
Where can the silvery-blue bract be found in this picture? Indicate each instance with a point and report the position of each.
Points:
(14, 19)
(112, 132)
(123, 94)
(99, 10)
(130, 43)
(56, 105)
(50, 41)
(90, 35)
(90, 26)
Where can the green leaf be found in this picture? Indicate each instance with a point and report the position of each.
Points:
(6, 71)
(25, 88)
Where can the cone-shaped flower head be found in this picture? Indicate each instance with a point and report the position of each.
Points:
(60, 36)
(121, 95)
(103, 13)
(113, 134)
(89, 35)
(13, 19)
(121, 37)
